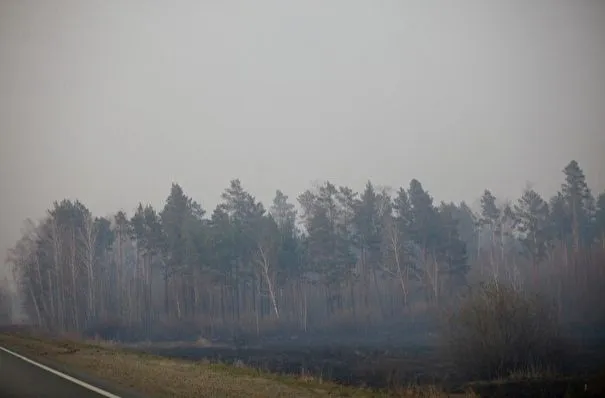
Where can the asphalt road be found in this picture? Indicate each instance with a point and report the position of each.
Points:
(22, 379)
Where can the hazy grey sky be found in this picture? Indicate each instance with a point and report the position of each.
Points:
(111, 101)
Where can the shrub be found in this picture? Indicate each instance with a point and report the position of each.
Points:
(497, 329)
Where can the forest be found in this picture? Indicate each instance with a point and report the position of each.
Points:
(353, 261)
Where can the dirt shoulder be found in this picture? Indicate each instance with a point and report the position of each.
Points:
(154, 376)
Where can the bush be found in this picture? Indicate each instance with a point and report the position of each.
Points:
(497, 329)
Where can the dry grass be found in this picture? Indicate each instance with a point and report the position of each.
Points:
(162, 377)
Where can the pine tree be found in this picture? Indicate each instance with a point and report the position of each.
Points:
(424, 231)
(368, 225)
(452, 250)
(467, 228)
(289, 252)
(575, 193)
(368, 233)
(173, 218)
(531, 221)
(560, 222)
(245, 216)
(424, 219)
(491, 219)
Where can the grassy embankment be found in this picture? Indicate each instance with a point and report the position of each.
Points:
(156, 376)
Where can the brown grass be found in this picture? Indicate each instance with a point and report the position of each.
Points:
(161, 377)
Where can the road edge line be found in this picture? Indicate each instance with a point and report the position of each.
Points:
(67, 377)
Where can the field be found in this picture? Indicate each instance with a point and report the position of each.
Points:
(300, 368)
(392, 367)
(346, 361)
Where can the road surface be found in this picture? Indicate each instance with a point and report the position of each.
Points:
(20, 377)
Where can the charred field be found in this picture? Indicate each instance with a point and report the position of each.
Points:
(365, 366)
(417, 360)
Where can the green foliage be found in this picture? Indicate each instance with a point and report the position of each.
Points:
(424, 218)
(531, 219)
(467, 226)
(368, 224)
(578, 204)
(451, 248)
(329, 226)
(490, 213)
(560, 222)
(289, 256)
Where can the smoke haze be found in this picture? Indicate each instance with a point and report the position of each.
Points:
(111, 101)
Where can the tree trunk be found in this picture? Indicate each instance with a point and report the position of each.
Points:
(265, 269)
(36, 306)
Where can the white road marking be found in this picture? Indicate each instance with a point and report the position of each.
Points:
(62, 375)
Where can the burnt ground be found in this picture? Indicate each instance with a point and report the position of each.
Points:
(359, 366)
(391, 365)
(378, 360)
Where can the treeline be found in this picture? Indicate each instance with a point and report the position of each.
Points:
(348, 259)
